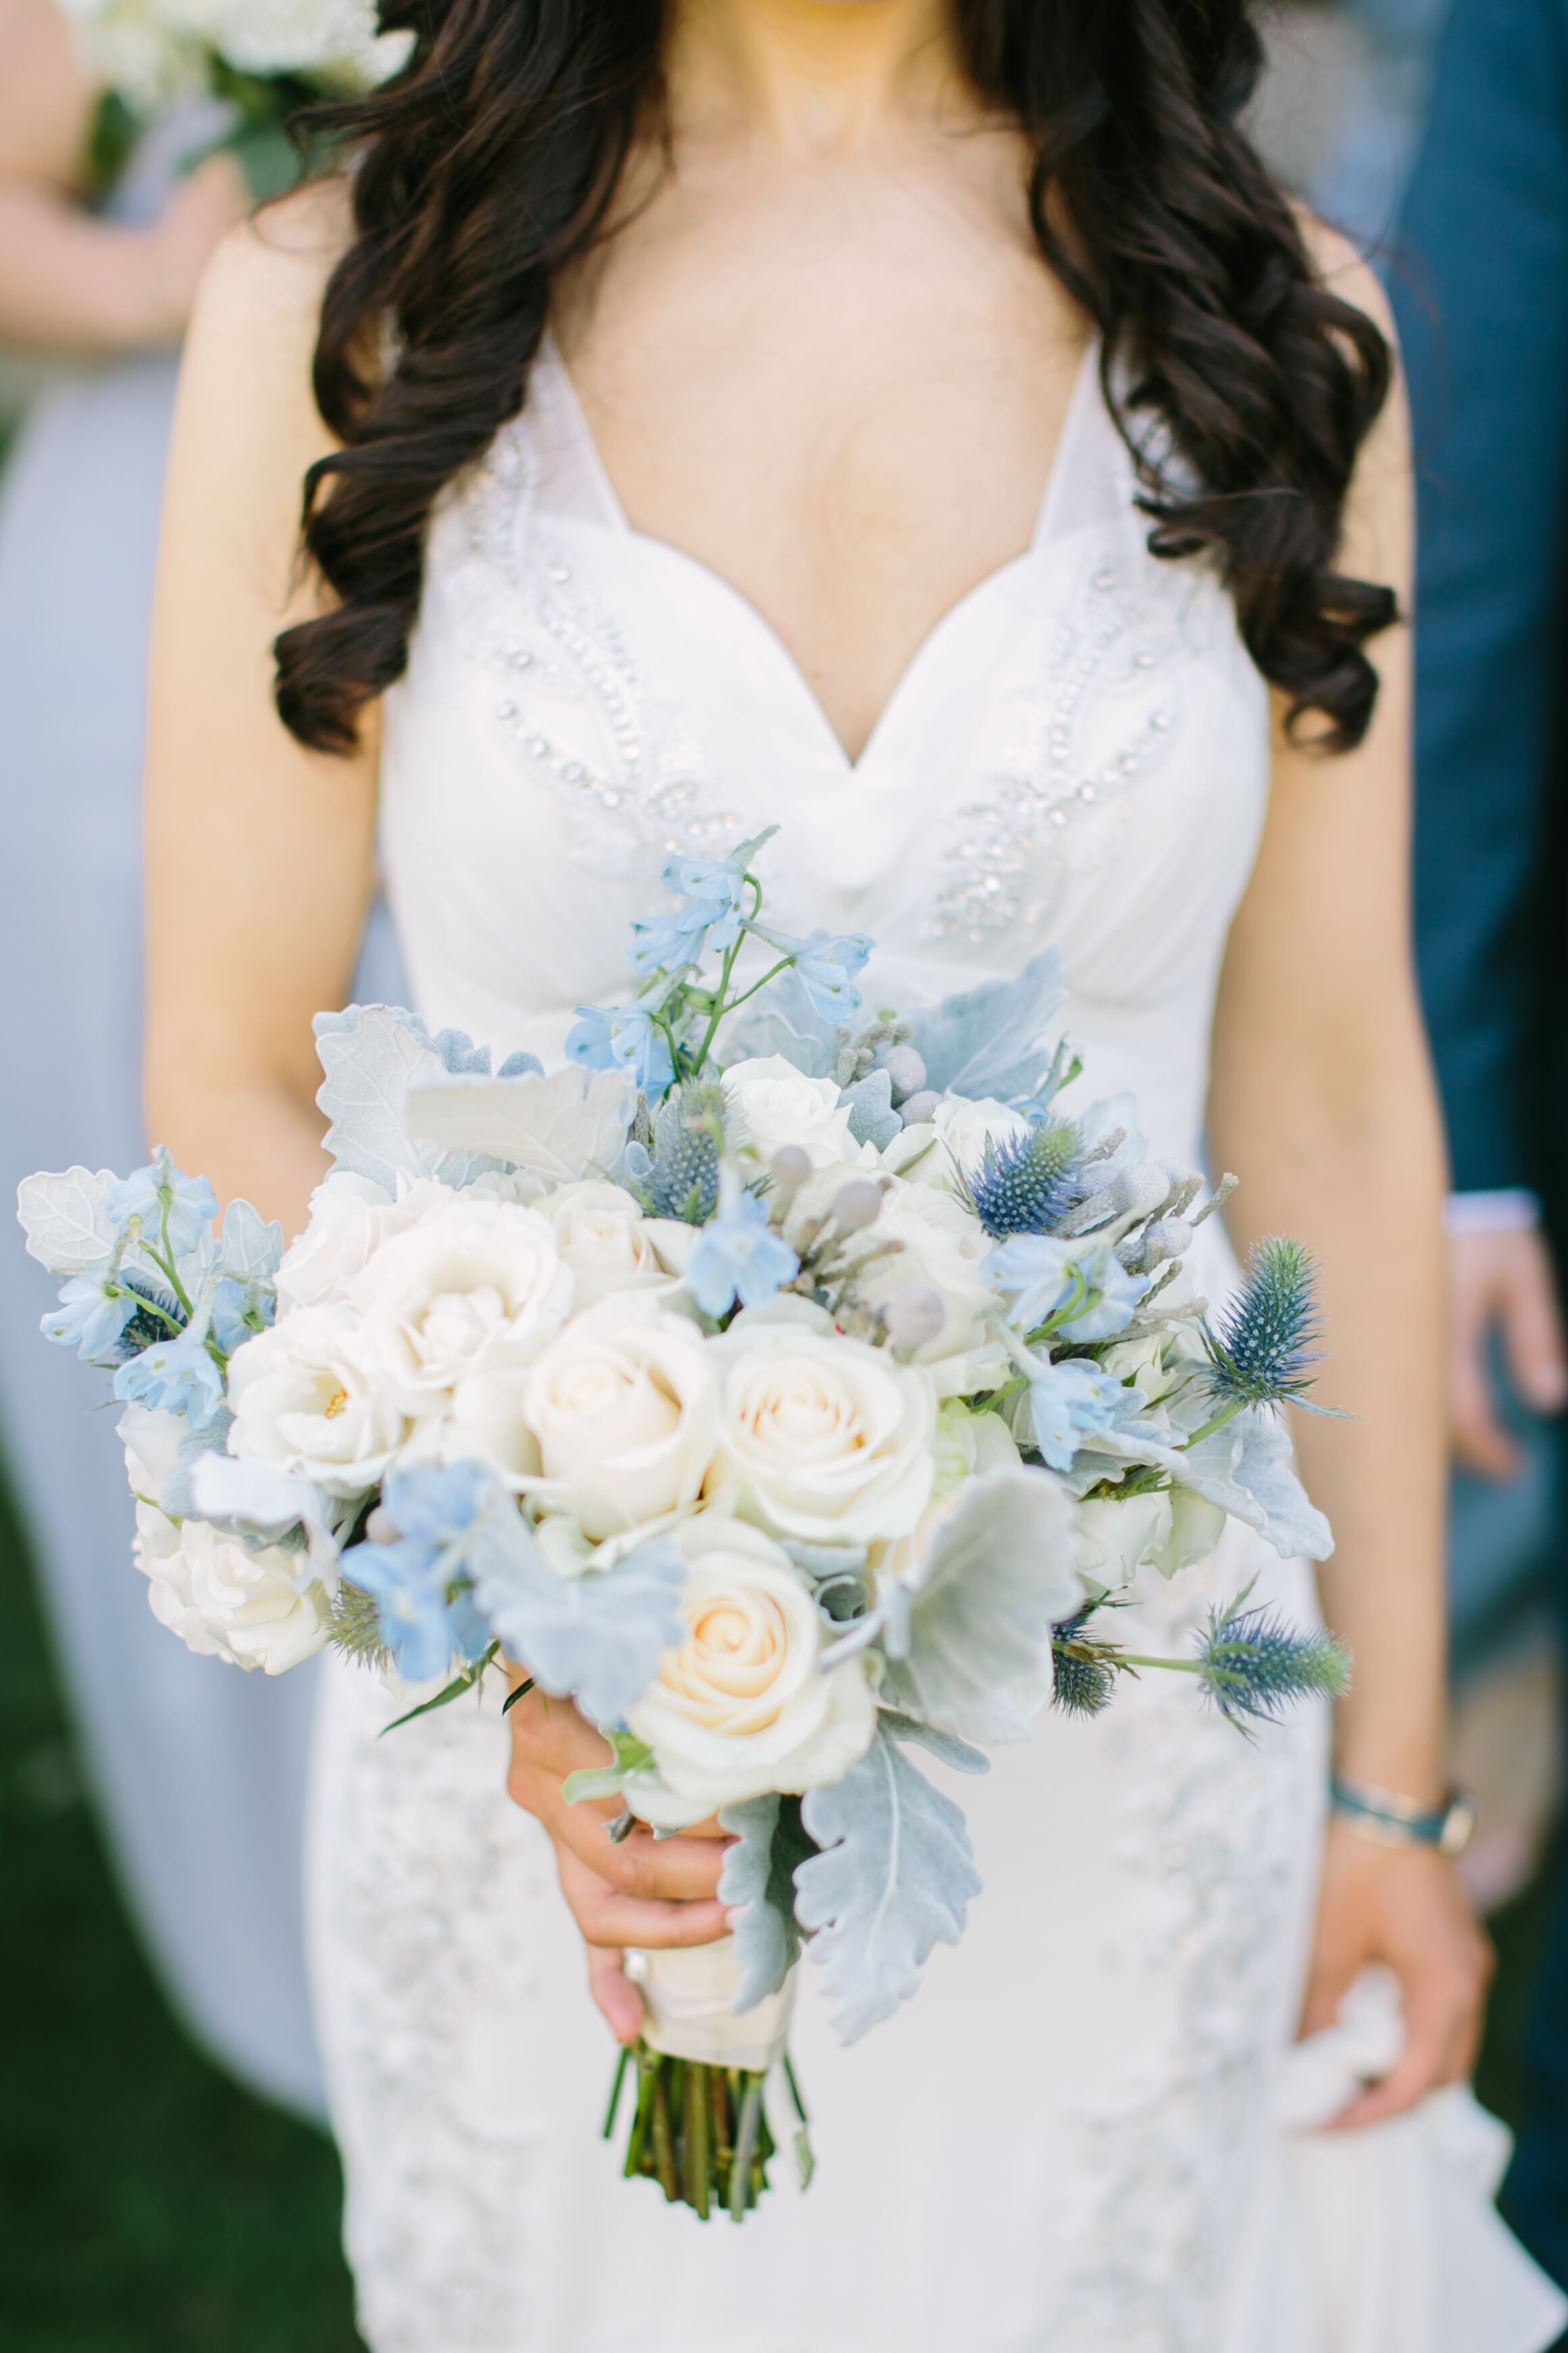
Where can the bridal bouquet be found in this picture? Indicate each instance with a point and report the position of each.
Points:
(794, 1388)
(262, 60)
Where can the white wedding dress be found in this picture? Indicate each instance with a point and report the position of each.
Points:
(1078, 2137)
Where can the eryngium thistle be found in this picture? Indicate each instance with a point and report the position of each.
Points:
(1082, 1674)
(1252, 1664)
(1028, 1183)
(684, 1179)
(355, 1625)
(1261, 1352)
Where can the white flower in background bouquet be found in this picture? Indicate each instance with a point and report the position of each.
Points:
(261, 61)
(787, 1386)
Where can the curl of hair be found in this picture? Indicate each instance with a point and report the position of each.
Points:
(1242, 385)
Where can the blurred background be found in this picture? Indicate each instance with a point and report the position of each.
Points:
(166, 2183)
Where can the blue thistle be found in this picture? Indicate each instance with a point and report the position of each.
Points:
(1261, 1352)
(355, 1622)
(1252, 1664)
(145, 1327)
(1028, 1183)
(681, 1179)
(1083, 1671)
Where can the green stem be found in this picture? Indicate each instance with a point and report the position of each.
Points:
(1227, 1413)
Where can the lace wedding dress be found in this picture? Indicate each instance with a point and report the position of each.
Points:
(1075, 2139)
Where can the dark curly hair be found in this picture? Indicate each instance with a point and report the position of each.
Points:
(492, 162)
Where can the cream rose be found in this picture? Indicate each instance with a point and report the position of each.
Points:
(942, 1248)
(624, 1409)
(778, 1104)
(743, 1707)
(476, 1286)
(822, 1437)
(220, 1599)
(602, 1236)
(351, 1217)
(313, 1396)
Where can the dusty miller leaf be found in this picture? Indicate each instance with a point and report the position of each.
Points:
(872, 1119)
(894, 1878)
(943, 1746)
(63, 1215)
(969, 1632)
(251, 1247)
(758, 1884)
(994, 1041)
(597, 1638)
(1246, 1469)
(566, 1125)
(372, 1054)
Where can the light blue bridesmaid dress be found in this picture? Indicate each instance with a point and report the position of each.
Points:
(199, 1769)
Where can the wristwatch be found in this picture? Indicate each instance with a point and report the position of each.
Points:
(1390, 1820)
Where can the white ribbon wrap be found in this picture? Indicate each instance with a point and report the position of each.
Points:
(688, 1994)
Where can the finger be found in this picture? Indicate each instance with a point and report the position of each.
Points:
(607, 1918)
(555, 1735)
(671, 1870)
(1480, 1441)
(1435, 2017)
(615, 1995)
(1532, 1337)
(1331, 1980)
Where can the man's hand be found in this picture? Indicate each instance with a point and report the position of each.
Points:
(1501, 1282)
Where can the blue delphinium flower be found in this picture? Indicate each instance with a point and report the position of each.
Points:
(715, 888)
(826, 963)
(418, 1580)
(1026, 1183)
(1069, 1403)
(739, 1257)
(1045, 1274)
(176, 1376)
(623, 1036)
(1252, 1664)
(93, 1312)
(191, 1202)
(242, 1310)
(1261, 1351)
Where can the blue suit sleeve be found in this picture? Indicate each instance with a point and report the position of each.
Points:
(1481, 294)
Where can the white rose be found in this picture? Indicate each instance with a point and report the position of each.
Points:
(743, 1707)
(778, 1104)
(221, 1600)
(964, 1129)
(625, 1410)
(602, 1236)
(823, 1437)
(351, 1217)
(312, 1396)
(476, 1286)
(249, 1600)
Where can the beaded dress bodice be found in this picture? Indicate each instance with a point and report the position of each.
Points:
(1076, 754)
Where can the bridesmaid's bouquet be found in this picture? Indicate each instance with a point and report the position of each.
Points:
(261, 60)
(792, 1386)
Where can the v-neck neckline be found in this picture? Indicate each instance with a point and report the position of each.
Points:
(1084, 396)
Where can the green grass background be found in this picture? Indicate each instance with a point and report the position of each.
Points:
(147, 2204)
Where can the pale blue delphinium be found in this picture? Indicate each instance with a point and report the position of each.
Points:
(175, 1376)
(93, 1312)
(1048, 1275)
(826, 963)
(623, 1037)
(418, 1579)
(242, 1310)
(191, 1203)
(1069, 1403)
(739, 1257)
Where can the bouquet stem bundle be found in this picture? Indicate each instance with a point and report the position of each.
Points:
(702, 2132)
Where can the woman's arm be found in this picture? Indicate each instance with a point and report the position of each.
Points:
(1322, 1097)
(258, 853)
(68, 282)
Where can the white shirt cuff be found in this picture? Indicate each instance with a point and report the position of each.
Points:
(1508, 1211)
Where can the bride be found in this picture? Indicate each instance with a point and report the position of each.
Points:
(922, 425)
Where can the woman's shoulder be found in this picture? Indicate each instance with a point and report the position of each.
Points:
(1343, 268)
(272, 271)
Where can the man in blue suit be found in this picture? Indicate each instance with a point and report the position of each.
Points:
(1481, 291)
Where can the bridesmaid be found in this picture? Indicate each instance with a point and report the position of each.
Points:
(199, 1770)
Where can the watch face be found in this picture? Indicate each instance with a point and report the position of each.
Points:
(1459, 1826)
